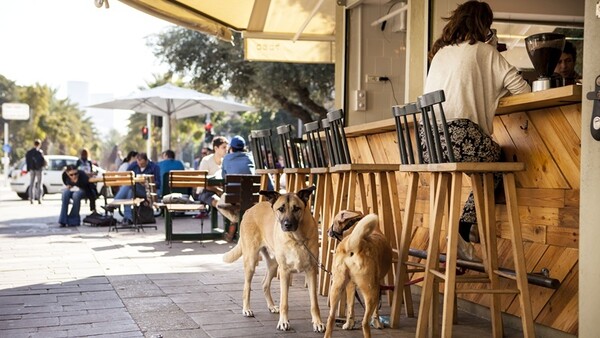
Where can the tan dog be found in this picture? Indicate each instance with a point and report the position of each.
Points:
(361, 259)
(284, 231)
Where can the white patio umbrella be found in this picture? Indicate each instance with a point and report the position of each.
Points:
(172, 101)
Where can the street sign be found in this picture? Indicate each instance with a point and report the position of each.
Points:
(15, 111)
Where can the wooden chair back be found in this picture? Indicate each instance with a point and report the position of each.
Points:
(187, 179)
(242, 190)
(118, 178)
(406, 141)
(316, 154)
(341, 152)
(432, 118)
(261, 145)
(328, 140)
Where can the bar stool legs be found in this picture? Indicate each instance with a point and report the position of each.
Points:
(482, 184)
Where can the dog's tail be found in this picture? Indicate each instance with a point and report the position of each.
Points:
(362, 229)
(233, 254)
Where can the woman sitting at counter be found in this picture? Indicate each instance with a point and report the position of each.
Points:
(474, 76)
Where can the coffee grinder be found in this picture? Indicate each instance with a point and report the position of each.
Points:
(544, 50)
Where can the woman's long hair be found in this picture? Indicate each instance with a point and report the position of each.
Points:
(470, 22)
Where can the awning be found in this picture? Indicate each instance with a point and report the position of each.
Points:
(273, 30)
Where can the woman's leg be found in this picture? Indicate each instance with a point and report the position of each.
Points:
(471, 144)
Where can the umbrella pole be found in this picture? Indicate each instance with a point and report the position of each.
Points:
(149, 140)
(166, 133)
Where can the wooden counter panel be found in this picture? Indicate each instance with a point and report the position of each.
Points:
(561, 308)
(528, 146)
(538, 100)
(563, 143)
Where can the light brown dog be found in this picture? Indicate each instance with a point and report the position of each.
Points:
(361, 260)
(284, 231)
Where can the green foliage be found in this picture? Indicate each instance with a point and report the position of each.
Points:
(60, 124)
(304, 91)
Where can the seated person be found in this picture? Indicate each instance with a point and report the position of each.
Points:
(167, 164)
(212, 164)
(84, 163)
(142, 166)
(127, 161)
(77, 187)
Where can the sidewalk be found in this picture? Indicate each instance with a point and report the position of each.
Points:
(82, 282)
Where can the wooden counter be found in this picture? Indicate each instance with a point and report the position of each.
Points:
(543, 130)
(510, 104)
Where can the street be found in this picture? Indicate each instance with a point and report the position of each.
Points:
(83, 282)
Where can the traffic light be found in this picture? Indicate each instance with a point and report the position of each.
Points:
(208, 137)
(145, 132)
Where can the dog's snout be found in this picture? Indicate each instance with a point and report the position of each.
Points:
(289, 225)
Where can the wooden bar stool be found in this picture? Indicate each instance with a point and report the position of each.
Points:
(448, 184)
(331, 181)
(294, 150)
(407, 157)
(320, 177)
(261, 144)
(376, 184)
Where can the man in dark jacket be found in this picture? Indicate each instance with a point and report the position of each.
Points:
(34, 158)
(77, 187)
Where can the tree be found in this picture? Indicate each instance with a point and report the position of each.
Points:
(305, 91)
(60, 124)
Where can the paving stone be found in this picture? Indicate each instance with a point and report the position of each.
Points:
(83, 283)
(163, 320)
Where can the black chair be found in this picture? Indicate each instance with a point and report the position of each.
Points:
(261, 145)
(242, 191)
(294, 154)
(446, 185)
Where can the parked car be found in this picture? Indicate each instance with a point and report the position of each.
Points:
(52, 176)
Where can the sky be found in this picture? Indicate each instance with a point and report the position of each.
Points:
(55, 41)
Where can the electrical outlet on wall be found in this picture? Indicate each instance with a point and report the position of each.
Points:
(360, 100)
(375, 78)
(371, 78)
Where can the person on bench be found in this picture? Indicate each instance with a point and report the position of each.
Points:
(77, 187)
(142, 166)
(212, 163)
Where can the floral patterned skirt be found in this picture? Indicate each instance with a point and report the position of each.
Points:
(471, 144)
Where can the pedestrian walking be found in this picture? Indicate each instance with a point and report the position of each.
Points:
(36, 162)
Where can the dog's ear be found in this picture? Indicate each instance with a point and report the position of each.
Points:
(305, 193)
(271, 196)
(346, 215)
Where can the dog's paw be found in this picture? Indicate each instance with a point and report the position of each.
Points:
(375, 323)
(349, 325)
(248, 313)
(273, 309)
(318, 327)
(283, 325)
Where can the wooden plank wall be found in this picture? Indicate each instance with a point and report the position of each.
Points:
(548, 141)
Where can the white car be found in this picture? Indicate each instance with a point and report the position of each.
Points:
(52, 175)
